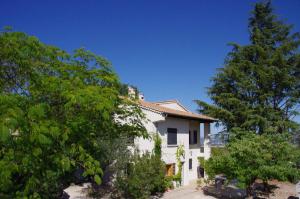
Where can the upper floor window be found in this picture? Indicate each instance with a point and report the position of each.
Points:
(172, 136)
(193, 137)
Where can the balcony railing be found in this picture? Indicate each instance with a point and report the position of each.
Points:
(219, 139)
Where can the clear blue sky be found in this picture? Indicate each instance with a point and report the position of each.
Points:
(169, 49)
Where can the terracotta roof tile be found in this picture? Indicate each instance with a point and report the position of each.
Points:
(172, 112)
(170, 102)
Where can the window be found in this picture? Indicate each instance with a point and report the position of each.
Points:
(190, 164)
(172, 136)
(201, 149)
(195, 137)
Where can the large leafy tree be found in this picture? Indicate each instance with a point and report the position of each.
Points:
(57, 111)
(254, 157)
(255, 96)
(258, 89)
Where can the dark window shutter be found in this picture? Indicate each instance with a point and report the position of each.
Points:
(195, 137)
(190, 137)
(172, 136)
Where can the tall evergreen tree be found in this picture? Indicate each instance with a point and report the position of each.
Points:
(258, 89)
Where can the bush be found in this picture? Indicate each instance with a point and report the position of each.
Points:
(145, 176)
(169, 182)
(215, 151)
(254, 157)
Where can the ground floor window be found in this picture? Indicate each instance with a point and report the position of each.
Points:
(170, 169)
(190, 164)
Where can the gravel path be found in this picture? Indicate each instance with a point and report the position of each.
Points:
(186, 192)
(298, 189)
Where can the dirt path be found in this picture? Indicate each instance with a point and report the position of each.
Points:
(186, 192)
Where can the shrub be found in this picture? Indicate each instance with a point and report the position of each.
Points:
(215, 151)
(256, 157)
(145, 176)
(169, 182)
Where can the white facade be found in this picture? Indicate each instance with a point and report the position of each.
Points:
(158, 122)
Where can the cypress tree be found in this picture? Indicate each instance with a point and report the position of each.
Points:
(258, 90)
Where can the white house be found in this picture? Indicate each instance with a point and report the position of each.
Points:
(176, 126)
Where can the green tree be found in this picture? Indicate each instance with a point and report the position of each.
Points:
(124, 91)
(254, 157)
(256, 96)
(55, 109)
(258, 89)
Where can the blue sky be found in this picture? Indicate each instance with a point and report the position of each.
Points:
(169, 49)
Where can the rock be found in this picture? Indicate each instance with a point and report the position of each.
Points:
(77, 191)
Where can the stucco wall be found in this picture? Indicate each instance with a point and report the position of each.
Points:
(157, 123)
(146, 145)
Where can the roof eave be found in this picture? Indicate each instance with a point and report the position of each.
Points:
(192, 118)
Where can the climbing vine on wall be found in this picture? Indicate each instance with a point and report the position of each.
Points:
(179, 153)
(157, 145)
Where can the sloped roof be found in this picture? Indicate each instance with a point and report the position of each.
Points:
(172, 112)
(171, 102)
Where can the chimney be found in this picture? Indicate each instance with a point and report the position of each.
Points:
(134, 93)
(131, 92)
(141, 96)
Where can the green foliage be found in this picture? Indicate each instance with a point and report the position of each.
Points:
(54, 108)
(217, 151)
(157, 145)
(168, 182)
(201, 161)
(124, 90)
(256, 157)
(255, 97)
(258, 88)
(145, 176)
(179, 153)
